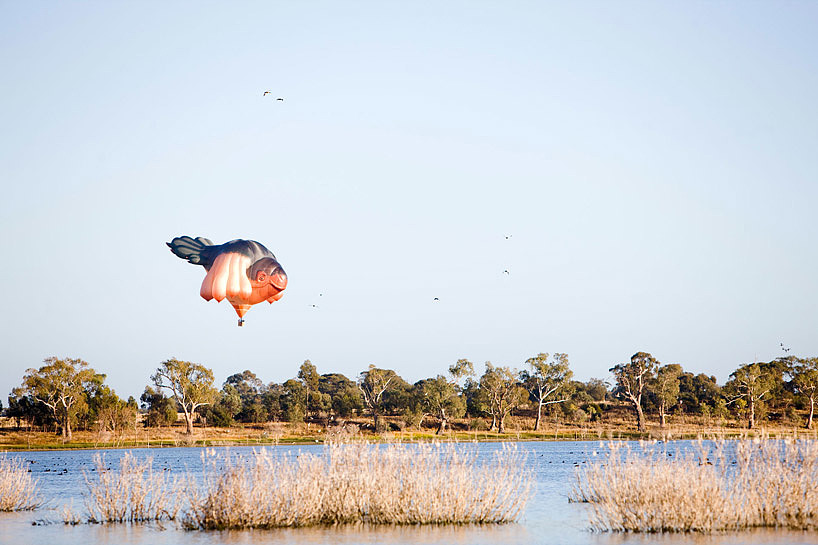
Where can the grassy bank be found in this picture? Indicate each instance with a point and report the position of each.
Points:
(275, 433)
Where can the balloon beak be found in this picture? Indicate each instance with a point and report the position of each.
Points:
(279, 279)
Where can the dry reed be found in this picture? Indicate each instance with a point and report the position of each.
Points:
(359, 483)
(17, 488)
(135, 493)
(721, 486)
(69, 516)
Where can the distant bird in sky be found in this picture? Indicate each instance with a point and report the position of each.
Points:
(268, 92)
(315, 306)
(508, 237)
(786, 350)
(437, 299)
(505, 271)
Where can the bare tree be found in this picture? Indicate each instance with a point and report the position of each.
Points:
(190, 383)
(546, 379)
(631, 379)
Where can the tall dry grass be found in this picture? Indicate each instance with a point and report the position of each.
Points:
(17, 488)
(134, 493)
(359, 483)
(720, 486)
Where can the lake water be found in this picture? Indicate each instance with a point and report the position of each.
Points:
(549, 517)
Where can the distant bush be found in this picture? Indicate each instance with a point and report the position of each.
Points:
(478, 424)
(220, 418)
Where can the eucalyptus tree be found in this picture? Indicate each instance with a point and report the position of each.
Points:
(698, 391)
(273, 401)
(344, 395)
(441, 397)
(250, 391)
(750, 385)
(547, 381)
(502, 393)
(190, 383)
(597, 389)
(108, 411)
(631, 381)
(665, 387)
(230, 400)
(61, 386)
(804, 372)
(373, 384)
(159, 409)
(309, 377)
(293, 400)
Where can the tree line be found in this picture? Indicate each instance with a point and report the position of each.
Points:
(67, 394)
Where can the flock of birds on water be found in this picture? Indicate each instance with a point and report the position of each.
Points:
(281, 99)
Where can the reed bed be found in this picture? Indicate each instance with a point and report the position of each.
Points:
(17, 488)
(359, 483)
(724, 485)
(134, 493)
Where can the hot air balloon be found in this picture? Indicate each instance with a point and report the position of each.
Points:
(242, 271)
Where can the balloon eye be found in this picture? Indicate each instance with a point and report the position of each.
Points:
(261, 277)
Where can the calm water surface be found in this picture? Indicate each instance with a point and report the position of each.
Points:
(548, 518)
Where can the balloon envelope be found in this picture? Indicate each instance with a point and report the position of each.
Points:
(244, 272)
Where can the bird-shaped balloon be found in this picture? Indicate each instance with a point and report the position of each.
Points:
(242, 271)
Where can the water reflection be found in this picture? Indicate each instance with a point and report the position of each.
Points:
(752, 537)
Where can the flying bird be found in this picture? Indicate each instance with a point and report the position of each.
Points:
(242, 271)
(508, 237)
(783, 348)
(437, 299)
(505, 271)
(268, 92)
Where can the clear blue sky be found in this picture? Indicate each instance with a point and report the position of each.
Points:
(654, 162)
